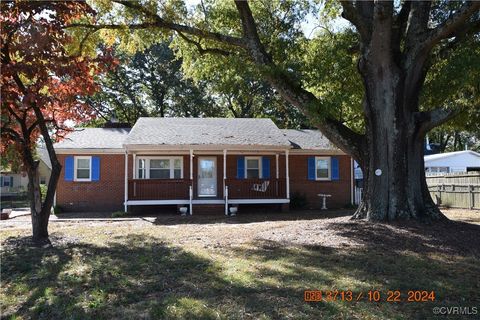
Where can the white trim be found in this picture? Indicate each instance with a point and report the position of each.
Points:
(257, 201)
(329, 168)
(226, 200)
(191, 164)
(171, 163)
(156, 202)
(208, 201)
(75, 158)
(287, 173)
(317, 152)
(277, 169)
(204, 201)
(260, 169)
(352, 181)
(207, 147)
(126, 183)
(89, 151)
(134, 167)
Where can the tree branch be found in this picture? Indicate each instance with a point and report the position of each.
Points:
(452, 24)
(202, 50)
(363, 23)
(166, 25)
(433, 118)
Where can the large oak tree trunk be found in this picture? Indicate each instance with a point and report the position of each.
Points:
(393, 165)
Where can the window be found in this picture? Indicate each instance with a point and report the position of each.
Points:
(142, 167)
(438, 169)
(253, 167)
(159, 168)
(43, 180)
(83, 168)
(177, 168)
(6, 181)
(322, 168)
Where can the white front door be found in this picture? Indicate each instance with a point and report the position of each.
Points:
(207, 177)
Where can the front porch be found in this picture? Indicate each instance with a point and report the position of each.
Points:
(208, 182)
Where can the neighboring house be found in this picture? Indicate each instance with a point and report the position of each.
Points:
(45, 166)
(195, 162)
(459, 161)
(12, 183)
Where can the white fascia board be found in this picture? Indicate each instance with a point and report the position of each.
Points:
(90, 151)
(217, 147)
(317, 152)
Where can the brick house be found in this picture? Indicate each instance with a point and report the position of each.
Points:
(195, 162)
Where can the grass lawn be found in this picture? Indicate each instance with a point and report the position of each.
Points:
(247, 267)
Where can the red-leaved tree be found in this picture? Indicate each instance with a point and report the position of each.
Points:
(42, 85)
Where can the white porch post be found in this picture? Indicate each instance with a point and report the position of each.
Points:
(190, 191)
(352, 178)
(276, 166)
(225, 189)
(134, 169)
(126, 181)
(224, 167)
(191, 165)
(286, 174)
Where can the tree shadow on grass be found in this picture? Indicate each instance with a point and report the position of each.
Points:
(453, 279)
(138, 276)
(132, 276)
(250, 217)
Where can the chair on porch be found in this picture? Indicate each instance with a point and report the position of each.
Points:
(261, 187)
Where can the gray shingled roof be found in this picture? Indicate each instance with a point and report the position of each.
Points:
(43, 155)
(308, 140)
(94, 138)
(206, 131)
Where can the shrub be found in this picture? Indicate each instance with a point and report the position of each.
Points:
(298, 200)
(119, 214)
(43, 190)
(57, 209)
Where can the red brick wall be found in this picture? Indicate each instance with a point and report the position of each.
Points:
(340, 189)
(104, 195)
(108, 193)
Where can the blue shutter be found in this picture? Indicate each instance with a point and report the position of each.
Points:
(1, 181)
(265, 168)
(11, 182)
(241, 168)
(335, 169)
(69, 168)
(95, 168)
(311, 168)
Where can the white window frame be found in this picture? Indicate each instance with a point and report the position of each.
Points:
(329, 159)
(147, 166)
(260, 169)
(75, 168)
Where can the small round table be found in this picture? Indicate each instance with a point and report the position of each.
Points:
(324, 201)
